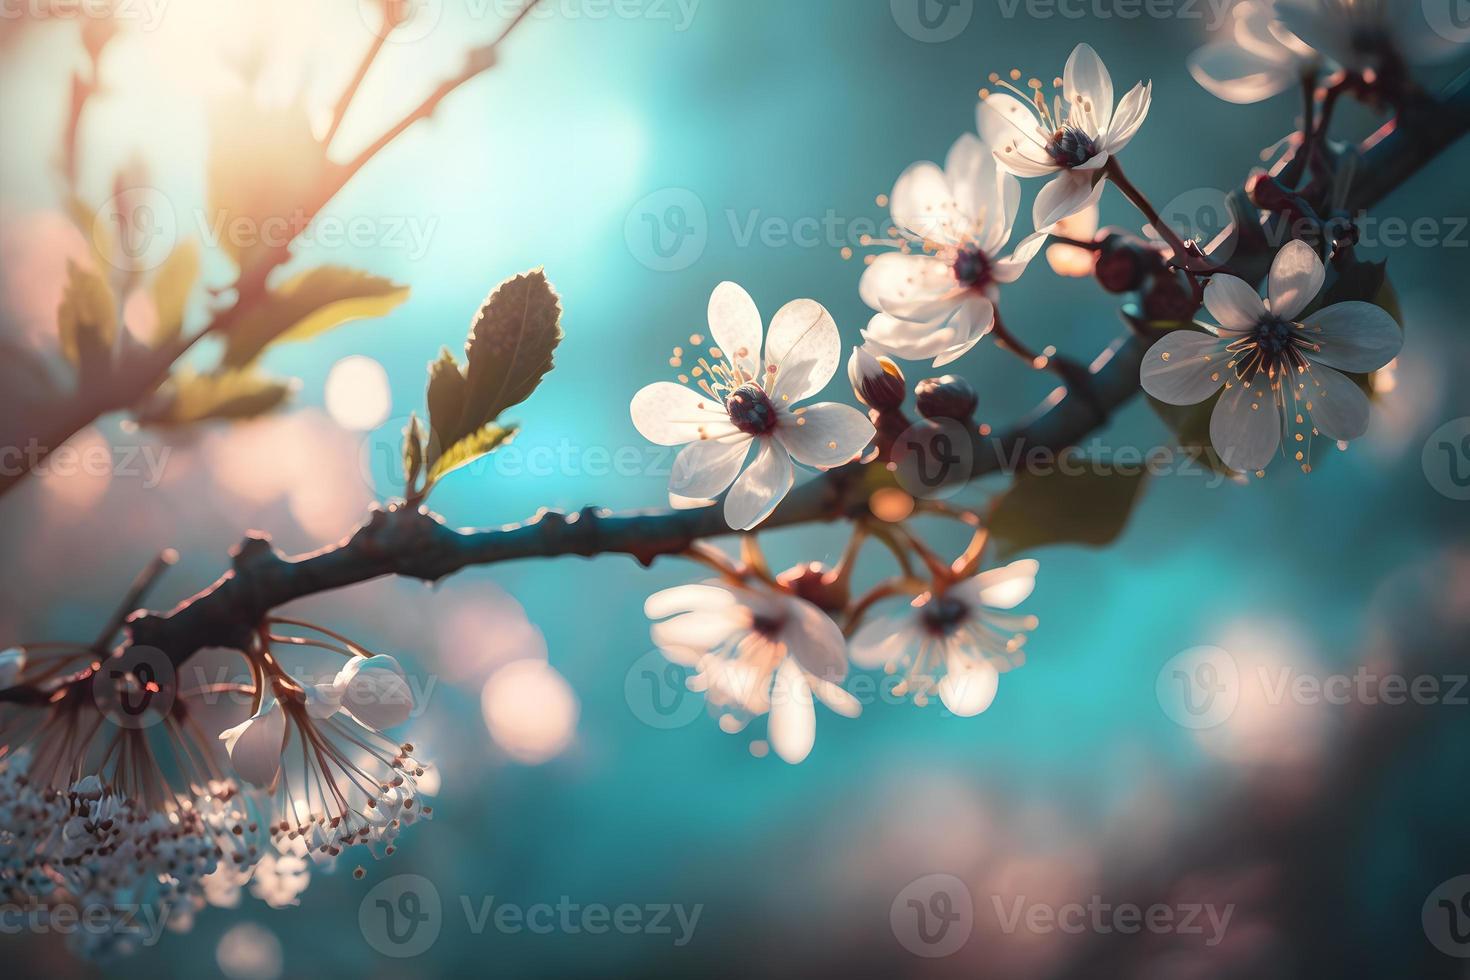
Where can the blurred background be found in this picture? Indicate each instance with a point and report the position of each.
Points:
(642, 152)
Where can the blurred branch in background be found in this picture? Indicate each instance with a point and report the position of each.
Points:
(120, 375)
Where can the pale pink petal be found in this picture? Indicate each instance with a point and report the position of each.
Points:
(1230, 72)
(255, 745)
(375, 691)
(1066, 194)
(880, 641)
(1009, 269)
(922, 202)
(895, 279)
(688, 598)
(1005, 587)
(815, 641)
(1131, 113)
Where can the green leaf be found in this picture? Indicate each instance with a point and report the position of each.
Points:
(478, 443)
(172, 286)
(510, 347)
(307, 304)
(1076, 502)
(446, 404)
(413, 452)
(87, 321)
(189, 397)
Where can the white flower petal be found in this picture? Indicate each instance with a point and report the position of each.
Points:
(1233, 302)
(688, 598)
(1132, 111)
(969, 684)
(670, 415)
(1066, 194)
(689, 636)
(1009, 269)
(1296, 278)
(836, 697)
(1088, 89)
(804, 347)
(375, 691)
(880, 641)
(255, 745)
(1005, 587)
(815, 641)
(1184, 367)
(735, 325)
(824, 435)
(895, 279)
(921, 201)
(793, 726)
(706, 468)
(1010, 128)
(1354, 336)
(323, 700)
(1230, 72)
(760, 488)
(1339, 407)
(1245, 427)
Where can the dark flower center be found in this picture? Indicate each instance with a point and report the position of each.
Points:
(1273, 346)
(766, 626)
(1071, 147)
(751, 410)
(972, 267)
(941, 615)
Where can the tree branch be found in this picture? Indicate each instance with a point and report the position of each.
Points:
(412, 543)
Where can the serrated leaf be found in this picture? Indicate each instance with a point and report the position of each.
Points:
(510, 347)
(189, 397)
(87, 321)
(1076, 502)
(446, 403)
(308, 304)
(171, 288)
(478, 443)
(413, 452)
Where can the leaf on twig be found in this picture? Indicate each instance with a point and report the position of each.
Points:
(470, 448)
(189, 397)
(308, 304)
(510, 347)
(1076, 502)
(413, 452)
(172, 285)
(87, 321)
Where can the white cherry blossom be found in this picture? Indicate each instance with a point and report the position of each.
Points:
(936, 296)
(1074, 135)
(957, 643)
(755, 653)
(745, 397)
(1282, 377)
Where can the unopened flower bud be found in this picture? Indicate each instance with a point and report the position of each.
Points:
(823, 587)
(1268, 193)
(1121, 264)
(949, 397)
(1169, 296)
(876, 380)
